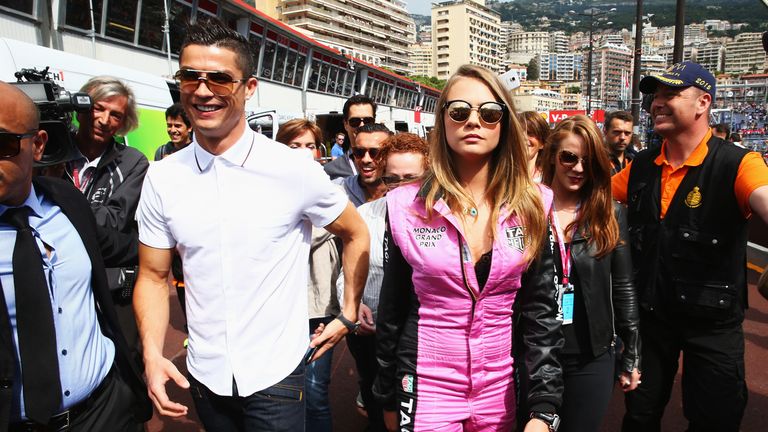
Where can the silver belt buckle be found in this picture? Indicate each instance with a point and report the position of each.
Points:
(67, 423)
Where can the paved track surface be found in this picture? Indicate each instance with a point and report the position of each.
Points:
(344, 380)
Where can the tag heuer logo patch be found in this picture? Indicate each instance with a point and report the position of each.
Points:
(407, 383)
(515, 238)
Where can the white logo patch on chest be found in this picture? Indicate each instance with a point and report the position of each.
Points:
(515, 237)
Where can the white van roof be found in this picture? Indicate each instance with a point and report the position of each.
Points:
(72, 71)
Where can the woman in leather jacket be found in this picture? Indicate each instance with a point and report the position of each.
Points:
(593, 274)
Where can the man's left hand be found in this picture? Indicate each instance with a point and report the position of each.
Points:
(333, 332)
(367, 325)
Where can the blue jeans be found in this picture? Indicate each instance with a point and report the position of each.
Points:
(279, 408)
(317, 378)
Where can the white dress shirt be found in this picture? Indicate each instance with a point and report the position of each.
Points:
(241, 223)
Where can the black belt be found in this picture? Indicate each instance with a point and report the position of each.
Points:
(63, 420)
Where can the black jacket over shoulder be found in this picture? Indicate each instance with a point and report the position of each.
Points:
(102, 245)
(113, 194)
(538, 336)
(690, 265)
(609, 294)
(339, 167)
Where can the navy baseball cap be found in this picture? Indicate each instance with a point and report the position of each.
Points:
(683, 74)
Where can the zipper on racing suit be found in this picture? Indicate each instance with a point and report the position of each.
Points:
(466, 258)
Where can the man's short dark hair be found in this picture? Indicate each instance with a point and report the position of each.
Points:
(212, 32)
(723, 128)
(373, 127)
(621, 115)
(176, 110)
(358, 100)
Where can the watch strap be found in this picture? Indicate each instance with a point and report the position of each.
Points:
(352, 327)
(551, 419)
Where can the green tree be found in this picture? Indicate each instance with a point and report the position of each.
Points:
(573, 90)
(533, 69)
(430, 81)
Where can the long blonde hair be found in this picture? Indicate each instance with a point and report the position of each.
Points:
(509, 184)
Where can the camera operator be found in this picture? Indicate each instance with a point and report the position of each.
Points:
(110, 175)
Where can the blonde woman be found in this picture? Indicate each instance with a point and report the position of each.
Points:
(462, 248)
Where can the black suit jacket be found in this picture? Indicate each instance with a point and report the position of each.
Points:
(102, 245)
(339, 167)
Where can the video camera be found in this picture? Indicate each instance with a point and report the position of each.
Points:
(56, 106)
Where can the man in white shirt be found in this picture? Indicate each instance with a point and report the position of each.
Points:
(237, 207)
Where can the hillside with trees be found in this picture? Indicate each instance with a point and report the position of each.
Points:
(553, 15)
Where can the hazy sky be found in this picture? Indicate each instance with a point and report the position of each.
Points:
(422, 7)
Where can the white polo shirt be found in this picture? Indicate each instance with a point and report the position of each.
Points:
(241, 223)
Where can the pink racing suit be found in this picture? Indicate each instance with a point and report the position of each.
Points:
(445, 344)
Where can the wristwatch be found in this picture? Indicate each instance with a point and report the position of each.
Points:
(551, 419)
(351, 326)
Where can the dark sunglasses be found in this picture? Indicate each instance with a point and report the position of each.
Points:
(359, 152)
(10, 143)
(355, 122)
(489, 112)
(219, 83)
(569, 160)
(397, 180)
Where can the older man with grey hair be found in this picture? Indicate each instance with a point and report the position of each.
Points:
(110, 175)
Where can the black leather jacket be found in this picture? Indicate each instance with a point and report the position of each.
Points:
(538, 338)
(609, 295)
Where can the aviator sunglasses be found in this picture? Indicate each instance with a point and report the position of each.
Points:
(219, 83)
(356, 122)
(10, 143)
(489, 112)
(569, 160)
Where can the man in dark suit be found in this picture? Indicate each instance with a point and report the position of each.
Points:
(94, 384)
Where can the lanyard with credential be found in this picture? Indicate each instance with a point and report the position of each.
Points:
(86, 178)
(565, 289)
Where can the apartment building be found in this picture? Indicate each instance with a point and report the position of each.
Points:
(560, 67)
(424, 34)
(558, 42)
(611, 76)
(421, 59)
(379, 32)
(745, 54)
(711, 56)
(530, 42)
(464, 31)
(506, 29)
(652, 64)
(541, 100)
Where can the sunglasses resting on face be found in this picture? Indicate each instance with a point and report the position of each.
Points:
(359, 152)
(394, 180)
(219, 83)
(489, 112)
(569, 159)
(10, 143)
